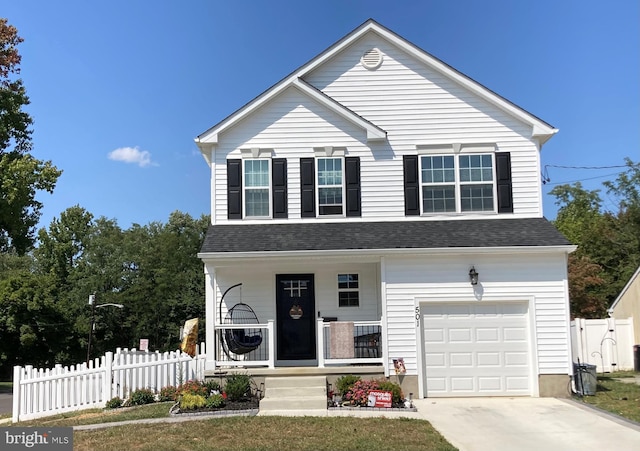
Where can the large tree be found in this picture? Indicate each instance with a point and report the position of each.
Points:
(21, 175)
(608, 240)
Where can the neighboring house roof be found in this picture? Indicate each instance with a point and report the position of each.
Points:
(540, 129)
(400, 235)
(624, 290)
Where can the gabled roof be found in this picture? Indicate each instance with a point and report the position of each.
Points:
(540, 129)
(624, 290)
(313, 236)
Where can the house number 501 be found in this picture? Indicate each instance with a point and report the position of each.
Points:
(418, 316)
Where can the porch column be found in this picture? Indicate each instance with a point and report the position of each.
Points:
(320, 342)
(211, 288)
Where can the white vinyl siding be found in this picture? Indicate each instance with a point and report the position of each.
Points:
(536, 279)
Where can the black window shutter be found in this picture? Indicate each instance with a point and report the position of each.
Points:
(279, 189)
(411, 186)
(307, 188)
(352, 180)
(504, 188)
(234, 189)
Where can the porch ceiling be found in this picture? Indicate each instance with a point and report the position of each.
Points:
(397, 235)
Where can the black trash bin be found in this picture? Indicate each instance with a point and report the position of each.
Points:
(636, 358)
(586, 379)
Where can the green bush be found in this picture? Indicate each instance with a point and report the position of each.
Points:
(192, 402)
(215, 402)
(238, 387)
(168, 393)
(141, 396)
(398, 396)
(344, 383)
(114, 403)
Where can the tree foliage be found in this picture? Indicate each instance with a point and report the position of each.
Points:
(608, 241)
(21, 175)
(152, 270)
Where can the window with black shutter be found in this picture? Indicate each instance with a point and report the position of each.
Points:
(307, 188)
(234, 189)
(279, 189)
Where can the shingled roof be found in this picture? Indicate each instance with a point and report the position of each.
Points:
(322, 236)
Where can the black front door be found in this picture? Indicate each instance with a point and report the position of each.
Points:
(295, 307)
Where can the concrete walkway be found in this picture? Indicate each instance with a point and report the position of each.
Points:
(527, 424)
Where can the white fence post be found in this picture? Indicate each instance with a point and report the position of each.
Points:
(17, 374)
(107, 387)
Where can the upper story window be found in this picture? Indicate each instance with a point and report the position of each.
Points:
(330, 186)
(461, 183)
(457, 178)
(257, 188)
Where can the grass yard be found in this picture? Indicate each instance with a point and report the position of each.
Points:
(268, 433)
(245, 433)
(6, 387)
(617, 397)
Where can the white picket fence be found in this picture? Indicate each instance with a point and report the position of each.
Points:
(39, 392)
(606, 343)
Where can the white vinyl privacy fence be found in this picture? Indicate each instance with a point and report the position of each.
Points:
(39, 392)
(606, 343)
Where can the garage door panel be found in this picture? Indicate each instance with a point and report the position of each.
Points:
(434, 335)
(476, 349)
(460, 335)
(461, 359)
(491, 334)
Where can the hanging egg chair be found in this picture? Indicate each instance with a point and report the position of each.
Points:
(240, 341)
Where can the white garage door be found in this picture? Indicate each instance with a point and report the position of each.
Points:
(476, 349)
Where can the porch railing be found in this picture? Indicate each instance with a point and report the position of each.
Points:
(367, 345)
(262, 355)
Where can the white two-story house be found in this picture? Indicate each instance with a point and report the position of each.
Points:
(376, 205)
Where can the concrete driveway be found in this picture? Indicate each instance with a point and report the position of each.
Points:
(536, 424)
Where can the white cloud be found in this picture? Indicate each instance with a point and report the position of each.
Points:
(132, 155)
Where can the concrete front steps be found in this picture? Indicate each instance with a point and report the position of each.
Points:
(294, 396)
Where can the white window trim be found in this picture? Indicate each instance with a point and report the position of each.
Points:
(456, 150)
(245, 188)
(351, 290)
(317, 183)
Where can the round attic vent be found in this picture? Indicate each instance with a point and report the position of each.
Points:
(371, 59)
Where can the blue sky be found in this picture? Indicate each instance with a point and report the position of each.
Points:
(119, 89)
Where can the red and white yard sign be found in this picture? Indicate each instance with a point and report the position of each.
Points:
(379, 398)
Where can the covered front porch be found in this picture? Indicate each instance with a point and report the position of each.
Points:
(295, 313)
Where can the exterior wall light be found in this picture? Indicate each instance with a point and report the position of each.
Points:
(473, 275)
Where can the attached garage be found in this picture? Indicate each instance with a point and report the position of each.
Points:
(476, 349)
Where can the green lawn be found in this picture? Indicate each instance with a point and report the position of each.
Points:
(246, 433)
(617, 397)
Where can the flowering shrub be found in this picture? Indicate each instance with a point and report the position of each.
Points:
(358, 394)
(344, 383)
(168, 393)
(193, 388)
